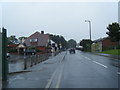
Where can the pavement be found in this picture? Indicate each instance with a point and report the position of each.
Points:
(31, 77)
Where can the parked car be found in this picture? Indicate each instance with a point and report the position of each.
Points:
(29, 52)
(72, 51)
(8, 55)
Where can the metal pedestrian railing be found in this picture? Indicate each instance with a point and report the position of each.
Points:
(31, 60)
(19, 63)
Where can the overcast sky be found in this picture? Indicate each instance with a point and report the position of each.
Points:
(62, 18)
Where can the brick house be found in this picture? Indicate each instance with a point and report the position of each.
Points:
(108, 44)
(103, 44)
(38, 40)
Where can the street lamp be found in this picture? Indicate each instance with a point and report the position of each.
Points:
(89, 26)
(90, 30)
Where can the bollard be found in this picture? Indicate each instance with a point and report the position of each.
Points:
(25, 62)
(41, 58)
(35, 59)
(38, 58)
(31, 61)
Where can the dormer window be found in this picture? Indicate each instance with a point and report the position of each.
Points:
(33, 40)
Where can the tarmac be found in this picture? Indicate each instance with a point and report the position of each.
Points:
(14, 76)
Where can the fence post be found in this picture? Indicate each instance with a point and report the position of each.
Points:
(25, 61)
(32, 57)
(4, 56)
(35, 59)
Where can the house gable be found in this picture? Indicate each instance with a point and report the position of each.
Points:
(37, 39)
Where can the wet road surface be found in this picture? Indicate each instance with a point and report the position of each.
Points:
(83, 70)
(79, 70)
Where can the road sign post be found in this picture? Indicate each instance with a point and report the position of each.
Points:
(4, 56)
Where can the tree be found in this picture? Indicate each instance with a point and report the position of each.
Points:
(21, 39)
(86, 43)
(63, 42)
(72, 43)
(12, 39)
(114, 31)
(59, 40)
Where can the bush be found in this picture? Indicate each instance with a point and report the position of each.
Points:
(13, 50)
(38, 50)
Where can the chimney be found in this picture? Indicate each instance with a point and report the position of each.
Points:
(42, 32)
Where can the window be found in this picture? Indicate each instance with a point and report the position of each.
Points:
(33, 40)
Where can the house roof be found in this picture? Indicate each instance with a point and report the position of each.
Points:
(13, 45)
(100, 40)
(42, 39)
(21, 46)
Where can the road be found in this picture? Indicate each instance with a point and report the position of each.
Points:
(85, 70)
(79, 70)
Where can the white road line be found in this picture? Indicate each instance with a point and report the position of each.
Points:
(82, 56)
(87, 58)
(53, 76)
(51, 79)
(118, 73)
(59, 77)
(100, 64)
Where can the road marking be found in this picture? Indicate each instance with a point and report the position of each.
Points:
(100, 64)
(51, 79)
(59, 77)
(118, 72)
(86, 57)
(53, 76)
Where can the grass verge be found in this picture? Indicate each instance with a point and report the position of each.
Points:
(113, 52)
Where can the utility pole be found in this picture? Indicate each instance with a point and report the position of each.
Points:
(89, 30)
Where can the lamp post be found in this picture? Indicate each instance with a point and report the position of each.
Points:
(89, 31)
(89, 26)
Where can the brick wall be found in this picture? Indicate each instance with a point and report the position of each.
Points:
(107, 44)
